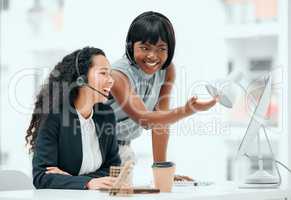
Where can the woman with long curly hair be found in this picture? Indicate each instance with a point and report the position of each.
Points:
(72, 131)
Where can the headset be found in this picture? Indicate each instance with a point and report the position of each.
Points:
(82, 79)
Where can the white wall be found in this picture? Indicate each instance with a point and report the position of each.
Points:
(286, 47)
(289, 86)
(200, 56)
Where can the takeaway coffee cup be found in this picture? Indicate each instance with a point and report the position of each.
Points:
(163, 173)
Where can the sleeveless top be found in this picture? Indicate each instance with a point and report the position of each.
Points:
(146, 86)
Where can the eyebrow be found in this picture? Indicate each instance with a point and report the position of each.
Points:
(160, 45)
(104, 68)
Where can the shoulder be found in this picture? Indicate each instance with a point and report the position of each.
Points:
(49, 128)
(121, 63)
(50, 119)
(123, 83)
(122, 72)
(170, 73)
(123, 67)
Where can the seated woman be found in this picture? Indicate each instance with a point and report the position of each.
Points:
(72, 133)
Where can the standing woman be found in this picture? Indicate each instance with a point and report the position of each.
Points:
(72, 133)
(145, 78)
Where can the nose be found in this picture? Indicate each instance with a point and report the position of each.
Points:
(152, 55)
(110, 81)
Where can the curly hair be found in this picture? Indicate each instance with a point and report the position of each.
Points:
(55, 90)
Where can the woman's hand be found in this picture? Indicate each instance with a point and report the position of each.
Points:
(56, 170)
(101, 183)
(182, 178)
(195, 105)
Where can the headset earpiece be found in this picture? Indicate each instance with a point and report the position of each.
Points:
(81, 81)
(129, 45)
(128, 52)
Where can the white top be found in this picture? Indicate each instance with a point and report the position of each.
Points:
(92, 158)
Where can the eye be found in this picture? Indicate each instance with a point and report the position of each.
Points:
(163, 49)
(144, 48)
(103, 73)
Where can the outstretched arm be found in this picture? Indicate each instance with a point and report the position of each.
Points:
(133, 105)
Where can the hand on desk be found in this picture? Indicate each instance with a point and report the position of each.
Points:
(101, 183)
(94, 184)
(195, 105)
(56, 170)
(182, 178)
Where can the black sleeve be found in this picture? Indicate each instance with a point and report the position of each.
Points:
(46, 154)
(112, 154)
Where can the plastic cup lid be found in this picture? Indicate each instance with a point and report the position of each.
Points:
(163, 164)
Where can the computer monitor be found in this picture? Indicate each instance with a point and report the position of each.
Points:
(257, 118)
(261, 178)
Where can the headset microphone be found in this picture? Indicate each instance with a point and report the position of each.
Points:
(82, 79)
(96, 91)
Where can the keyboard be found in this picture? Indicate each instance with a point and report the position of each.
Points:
(193, 183)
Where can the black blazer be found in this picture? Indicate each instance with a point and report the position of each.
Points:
(59, 143)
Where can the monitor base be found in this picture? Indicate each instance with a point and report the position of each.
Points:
(261, 179)
(258, 186)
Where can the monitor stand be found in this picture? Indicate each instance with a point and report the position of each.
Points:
(261, 178)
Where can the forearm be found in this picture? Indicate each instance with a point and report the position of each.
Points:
(59, 181)
(160, 138)
(99, 173)
(158, 119)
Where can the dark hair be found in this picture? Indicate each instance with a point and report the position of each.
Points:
(60, 86)
(150, 27)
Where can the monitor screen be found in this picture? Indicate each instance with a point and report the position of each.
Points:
(257, 119)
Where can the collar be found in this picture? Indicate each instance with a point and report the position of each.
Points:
(141, 73)
(84, 120)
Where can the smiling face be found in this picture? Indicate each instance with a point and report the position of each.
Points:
(150, 57)
(99, 77)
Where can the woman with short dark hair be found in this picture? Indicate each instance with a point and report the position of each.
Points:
(145, 78)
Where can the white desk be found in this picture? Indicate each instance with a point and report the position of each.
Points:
(226, 192)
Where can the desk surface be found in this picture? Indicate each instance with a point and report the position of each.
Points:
(217, 192)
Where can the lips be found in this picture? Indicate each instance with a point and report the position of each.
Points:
(151, 63)
(106, 91)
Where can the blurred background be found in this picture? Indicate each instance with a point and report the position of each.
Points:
(214, 37)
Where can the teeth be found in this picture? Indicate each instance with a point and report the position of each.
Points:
(151, 64)
(106, 90)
